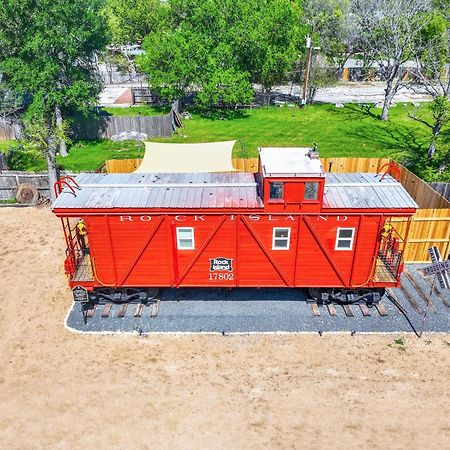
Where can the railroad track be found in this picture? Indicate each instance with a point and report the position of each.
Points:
(115, 310)
(349, 310)
(416, 288)
(411, 298)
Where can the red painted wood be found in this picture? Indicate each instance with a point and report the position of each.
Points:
(200, 250)
(140, 252)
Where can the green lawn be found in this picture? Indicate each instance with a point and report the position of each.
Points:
(136, 111)
(90, 155)
(5, 145)
(352, 131)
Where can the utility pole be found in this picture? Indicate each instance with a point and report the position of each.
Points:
(307, 68)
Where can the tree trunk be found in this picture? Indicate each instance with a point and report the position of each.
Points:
(3, 162)
(51, 166)
(436, 130)
(59, 124)
(388, 96)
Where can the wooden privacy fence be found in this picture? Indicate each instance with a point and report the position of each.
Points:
(10, 180)
(429, 227)
(104, 127)
(130, 165)
(342, 165)
(108, 126)
(122, 165)
(442, 188)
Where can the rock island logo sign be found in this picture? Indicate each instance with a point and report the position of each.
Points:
(220, 263)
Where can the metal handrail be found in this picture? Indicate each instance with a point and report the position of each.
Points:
(65, 180)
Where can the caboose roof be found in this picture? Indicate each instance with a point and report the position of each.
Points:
(289, 162)
(364, 191)
(161, 190)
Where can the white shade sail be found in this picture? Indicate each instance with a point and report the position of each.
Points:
(187, 158)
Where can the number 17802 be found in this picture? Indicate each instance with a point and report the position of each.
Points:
(221, 276)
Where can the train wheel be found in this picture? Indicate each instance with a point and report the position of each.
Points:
(152, 293)
(316, 293)
(347, 295)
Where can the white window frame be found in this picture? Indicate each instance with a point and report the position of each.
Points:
(191, 229)
(338, 231)
(274, 239)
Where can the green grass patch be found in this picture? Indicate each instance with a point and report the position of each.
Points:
(352, 131)
(136, 111)
(6, 145)
(9, 201)
(90, 155)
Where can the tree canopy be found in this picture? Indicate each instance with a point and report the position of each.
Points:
(47, 52)
(220, 47)
(130, 21)
(388, 32)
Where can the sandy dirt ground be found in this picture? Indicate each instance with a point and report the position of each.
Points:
(64, 390)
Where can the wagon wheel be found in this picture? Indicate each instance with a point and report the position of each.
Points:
(27, 194)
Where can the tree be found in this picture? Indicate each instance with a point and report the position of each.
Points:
(130, 21)
(48, 52)
(321, 76)
(329, 24)
(388, 35)
(218, 48)
(10, 102)
(433, 59)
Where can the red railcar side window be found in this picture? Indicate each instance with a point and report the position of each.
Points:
(185, 238)
(281, 238)
(344, 238)
(276, 190)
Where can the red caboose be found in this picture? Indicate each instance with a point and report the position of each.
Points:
(289, 225)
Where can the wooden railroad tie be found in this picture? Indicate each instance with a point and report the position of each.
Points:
(155, 309)
(435, 290)
(410, 299)
(138, 311)
(315, 309)
(393, 297)
(90, 312)
(421, 290)
(331, 310)
(348, 311)
(365, 310)
(381, 309)
(123, 310)
(106, 310)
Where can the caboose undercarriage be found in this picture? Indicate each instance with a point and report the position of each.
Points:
(123, 295)
(346, 296)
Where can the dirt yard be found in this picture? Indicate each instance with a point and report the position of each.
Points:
(64, 390)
